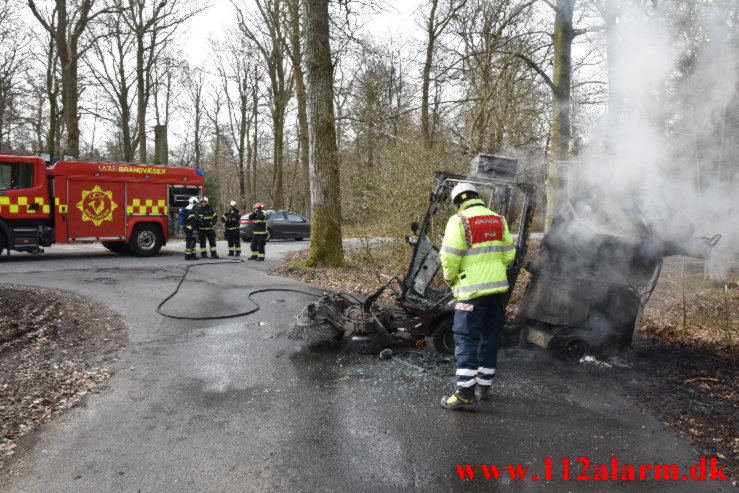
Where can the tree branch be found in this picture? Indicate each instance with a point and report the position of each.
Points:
(535, 67)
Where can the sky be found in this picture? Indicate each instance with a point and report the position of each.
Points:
(398, 18)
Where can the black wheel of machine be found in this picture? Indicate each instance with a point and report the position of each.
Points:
(146, 240)
(298, 239)
(115, 246)
(269, 235)
(571, 348)
(3, 246)
(444, 337)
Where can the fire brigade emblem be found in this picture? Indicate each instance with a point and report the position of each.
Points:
(97, 205)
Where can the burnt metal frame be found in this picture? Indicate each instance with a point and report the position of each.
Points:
(431, 312)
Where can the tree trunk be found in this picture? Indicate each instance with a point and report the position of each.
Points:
(255, 116)
(161, 149)
(278, 151)
(561, 131)
(67, 52)
(426, 74)
(296, 50)
(303, 137)
(198, 114)
(325, 245)
(242, 147)
(52, 93)
(69, 104)
(141, 94)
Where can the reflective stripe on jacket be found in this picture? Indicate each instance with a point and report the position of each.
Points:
(259, 218)
(477, 247)
(231, 219)
(208, 217)
(192, 220)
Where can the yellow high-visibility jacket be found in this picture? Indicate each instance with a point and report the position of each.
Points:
(477, 247)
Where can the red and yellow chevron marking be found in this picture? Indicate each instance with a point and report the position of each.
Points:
(146, 206)
(60, 208)
(21, 205)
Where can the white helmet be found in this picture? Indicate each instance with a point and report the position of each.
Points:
(232, 203)
(193, 200)
(204, 199)
(462, 188)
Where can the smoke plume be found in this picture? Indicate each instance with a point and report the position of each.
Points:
(669, 142)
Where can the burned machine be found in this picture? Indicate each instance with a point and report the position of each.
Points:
(593, 275)
(423, 305)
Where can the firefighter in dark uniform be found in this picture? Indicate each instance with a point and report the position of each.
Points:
(259, 234)
(208, 219)
(231, 219)
(192, 222)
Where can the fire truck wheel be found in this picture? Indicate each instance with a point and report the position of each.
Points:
(443, 336)
(146, 240)
(2, 243)
(115, 246)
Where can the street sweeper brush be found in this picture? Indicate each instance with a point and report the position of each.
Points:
(341, 317)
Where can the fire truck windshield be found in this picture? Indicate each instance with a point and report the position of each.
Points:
(16, 175)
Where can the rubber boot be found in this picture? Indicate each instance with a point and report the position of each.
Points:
(203, 254)
(230, 254)
(213, 255)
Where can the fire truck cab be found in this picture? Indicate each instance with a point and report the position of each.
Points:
(127, 207)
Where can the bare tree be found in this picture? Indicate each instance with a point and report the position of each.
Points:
(237, 68)
(255, 99)
(12, 63)
(194, 86)
(295, 50)
(503, 104)
(560, 84)
(152, 25)
(441, 13)
(325, 245)
(110, 66)
(267, 31)
(67, 32)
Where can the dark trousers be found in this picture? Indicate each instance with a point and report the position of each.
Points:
(210, 235)
(234, 241)
(477, 326)
(190, 241)
(257, 245)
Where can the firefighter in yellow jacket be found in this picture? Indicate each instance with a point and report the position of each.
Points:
(476, 249)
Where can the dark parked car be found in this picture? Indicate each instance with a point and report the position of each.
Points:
(280, 224)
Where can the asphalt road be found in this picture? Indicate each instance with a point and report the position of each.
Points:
(233, 405)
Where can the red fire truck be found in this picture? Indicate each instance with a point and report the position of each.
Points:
(128, 207)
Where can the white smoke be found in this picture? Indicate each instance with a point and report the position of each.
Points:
(670, 143)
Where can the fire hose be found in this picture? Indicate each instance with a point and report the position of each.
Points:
(221, 317)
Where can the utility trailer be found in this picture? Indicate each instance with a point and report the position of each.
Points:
(127, 207)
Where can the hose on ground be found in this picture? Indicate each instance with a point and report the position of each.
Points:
(221, 317)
